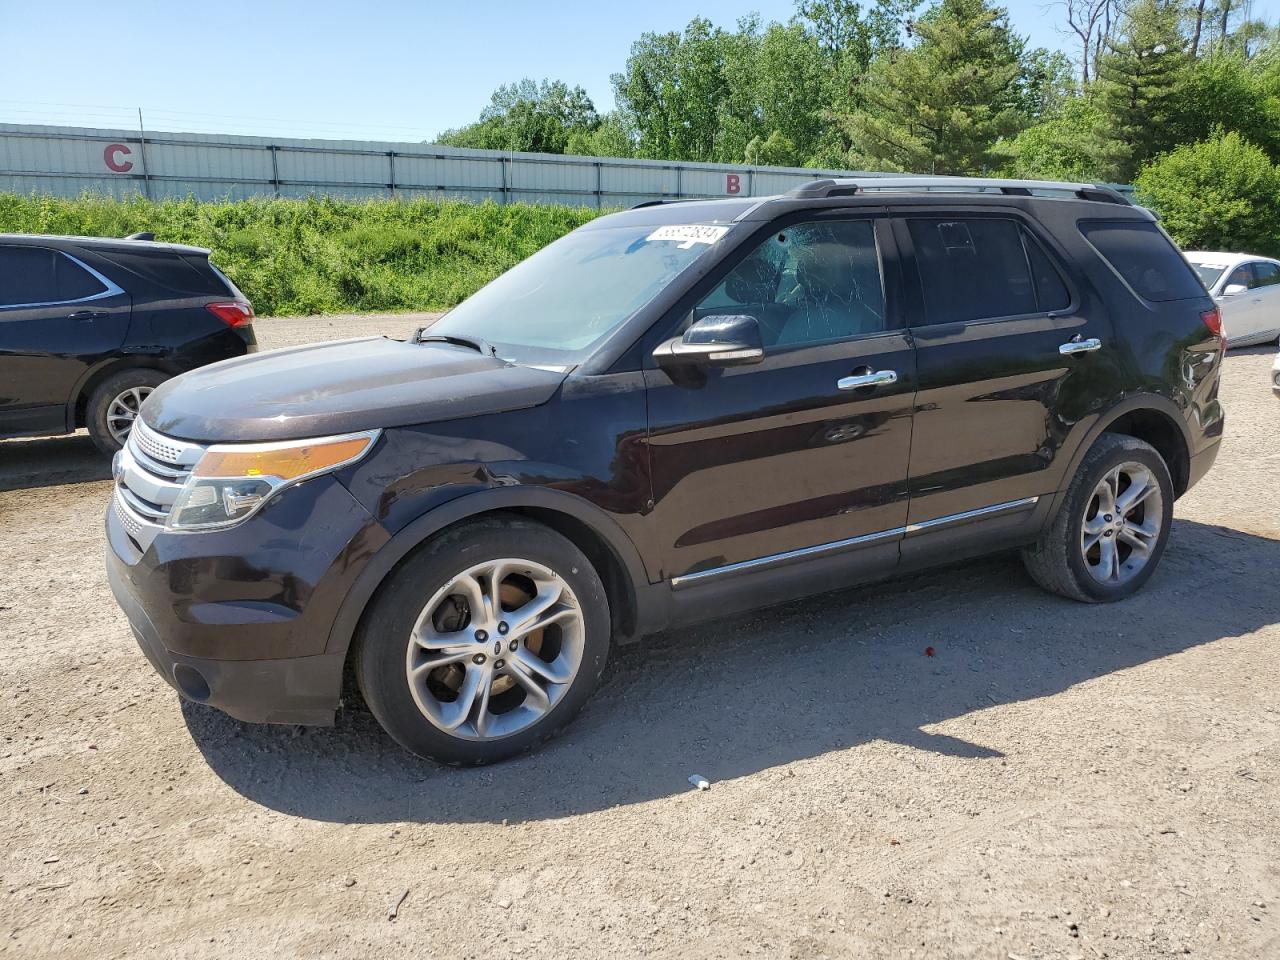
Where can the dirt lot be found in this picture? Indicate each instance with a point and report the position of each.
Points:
(1058, 781)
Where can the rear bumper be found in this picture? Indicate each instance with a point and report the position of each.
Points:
(1201, 463)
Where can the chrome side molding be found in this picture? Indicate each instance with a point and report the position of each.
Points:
(839, 546)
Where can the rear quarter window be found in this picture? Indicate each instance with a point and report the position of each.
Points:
(1141, 253)
(185, 273)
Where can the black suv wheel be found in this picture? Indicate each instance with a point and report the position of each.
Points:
(510, 642)
(1112, 527)
(113, 406)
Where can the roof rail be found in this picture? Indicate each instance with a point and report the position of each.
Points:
(845, 187)
(663, 200)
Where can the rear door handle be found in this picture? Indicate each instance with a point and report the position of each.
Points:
(86, 315)
(878, 378)
(1080, 346)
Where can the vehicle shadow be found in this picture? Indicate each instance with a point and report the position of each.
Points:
(751, 692)
(51, 462)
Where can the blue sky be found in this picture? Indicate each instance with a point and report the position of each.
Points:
(379, 69)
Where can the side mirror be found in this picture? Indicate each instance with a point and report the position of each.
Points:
(719, 341)
(1234, 289)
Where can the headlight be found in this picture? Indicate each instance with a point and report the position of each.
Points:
(233, 480)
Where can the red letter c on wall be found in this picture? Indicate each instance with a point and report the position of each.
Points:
(110, 157)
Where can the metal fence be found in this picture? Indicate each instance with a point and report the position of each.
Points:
(70, 161)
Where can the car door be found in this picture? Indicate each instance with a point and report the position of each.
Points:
(1264, 294)
(1241, 309)
(789, 459)
(57, 317)
(1006, 360)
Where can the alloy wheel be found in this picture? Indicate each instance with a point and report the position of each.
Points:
(1122, 523)
(122, 411)
(495, 649)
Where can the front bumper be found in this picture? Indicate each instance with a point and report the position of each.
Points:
(240, 618)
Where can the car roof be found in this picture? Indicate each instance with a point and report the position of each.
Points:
(1224, 258)
(99, 243)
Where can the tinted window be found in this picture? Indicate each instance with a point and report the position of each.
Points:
(808, 283)
(975, 270)
(1141, 254)
(171, 271)
(1051, 292)
(36, 275)
(72, 281)
(1265, 274)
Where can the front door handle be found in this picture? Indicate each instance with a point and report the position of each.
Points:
(86, 315)
(876, 378)
(1077, 345)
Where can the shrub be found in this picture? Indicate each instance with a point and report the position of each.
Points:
(1220, 194)
(322, 255)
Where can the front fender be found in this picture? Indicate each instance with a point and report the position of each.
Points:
(466, 507)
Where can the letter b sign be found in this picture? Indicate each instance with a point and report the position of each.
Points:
(732, 183)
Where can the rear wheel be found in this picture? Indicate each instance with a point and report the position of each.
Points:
(1112, 527)
(485, 643)
(113, 406)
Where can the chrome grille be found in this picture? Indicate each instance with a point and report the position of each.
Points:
(151, 473)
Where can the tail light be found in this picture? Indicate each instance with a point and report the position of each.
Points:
(235, 313)
(1213, 320)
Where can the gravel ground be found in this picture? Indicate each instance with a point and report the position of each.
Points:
(1059, 780)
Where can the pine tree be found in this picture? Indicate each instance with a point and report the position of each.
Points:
(941, 105)
(1137, 75)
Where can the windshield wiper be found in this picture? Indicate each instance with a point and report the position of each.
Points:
(475, 343)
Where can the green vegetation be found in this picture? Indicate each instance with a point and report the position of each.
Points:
(323, 255)
(1217, 195)
(948, 86)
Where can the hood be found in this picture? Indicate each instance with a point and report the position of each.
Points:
(341, 387)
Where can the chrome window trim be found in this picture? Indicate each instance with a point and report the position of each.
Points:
(112, 288)
(836, 546)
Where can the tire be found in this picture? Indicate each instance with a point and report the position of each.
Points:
(1060, 562)
(434, 594)
(120, 392)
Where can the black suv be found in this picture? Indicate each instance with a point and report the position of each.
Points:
(673, 413)
(89, 327)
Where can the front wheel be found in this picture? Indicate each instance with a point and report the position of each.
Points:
(1112, 527)
(511, 640)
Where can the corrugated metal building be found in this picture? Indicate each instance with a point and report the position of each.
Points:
(70, 161)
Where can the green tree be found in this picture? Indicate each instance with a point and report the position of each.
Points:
(1221, 194)
(1061, 147)
(673, 92)
(776, 150)
(1227, 91)
(529, 116)
(942, 105)
(612, 137)
(1137, 77)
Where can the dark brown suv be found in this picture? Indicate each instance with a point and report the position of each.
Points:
(670, 414)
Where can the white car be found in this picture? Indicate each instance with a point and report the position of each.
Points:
(1247, 291)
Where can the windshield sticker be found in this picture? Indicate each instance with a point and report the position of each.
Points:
(689, 234)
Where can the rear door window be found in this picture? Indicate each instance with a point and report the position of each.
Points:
(983, 268)
(1141, 253)
(36, 275)
(1265, 274)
